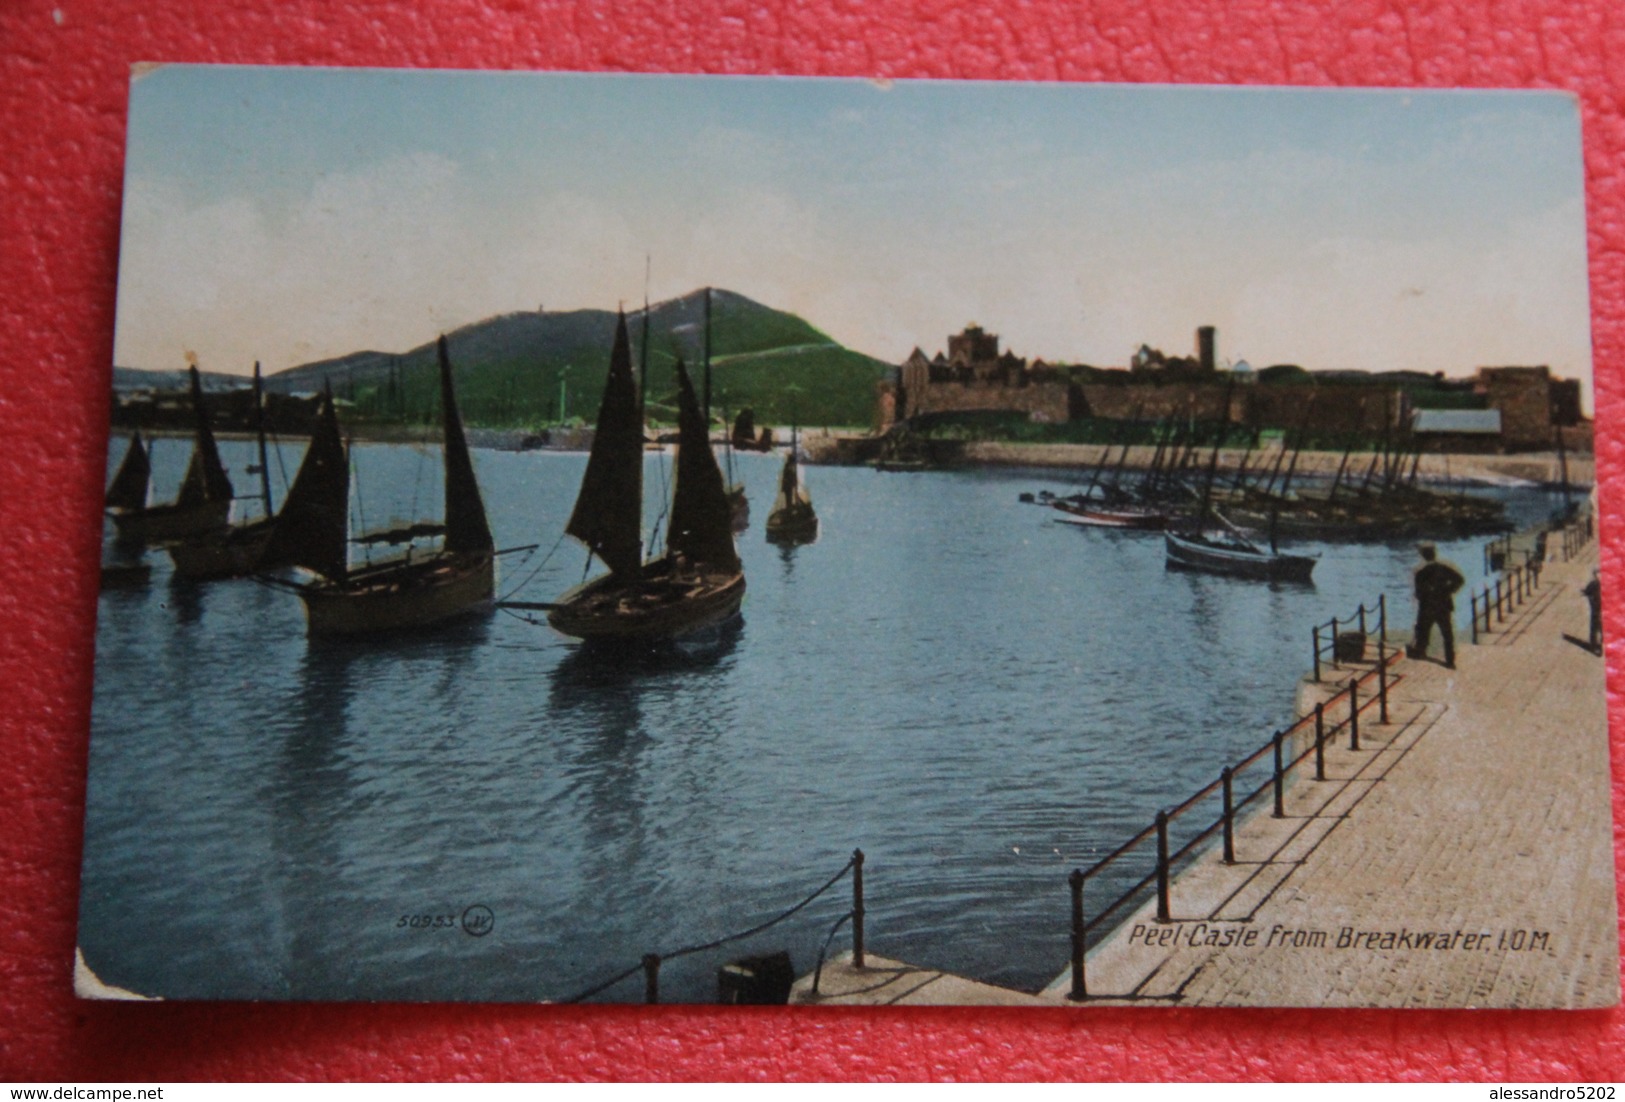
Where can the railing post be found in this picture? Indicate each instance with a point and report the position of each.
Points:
(1500, 607)
(1320, 742)
(651, 978)
(1362, 617)
(1225, 776)
(1472, 603)
(1354, 713)
(1280, 791)
(1382, 681)
(1316, 631)
(1382, 614)
(1080, 988)
(1335, 663)
(1162, 867)
(857, 908)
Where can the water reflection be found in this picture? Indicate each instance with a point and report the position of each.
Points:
(185, 600)
(312, 793)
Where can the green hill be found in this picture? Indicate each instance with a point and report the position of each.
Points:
(509, 368)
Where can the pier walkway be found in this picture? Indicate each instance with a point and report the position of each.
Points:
(1462, 857)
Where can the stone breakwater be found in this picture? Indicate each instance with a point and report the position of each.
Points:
(1541, 467)
(1462, 857)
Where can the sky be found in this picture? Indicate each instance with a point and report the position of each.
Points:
(286, 215)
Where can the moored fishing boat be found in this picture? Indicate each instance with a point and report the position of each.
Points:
(1094, 514)
(412, 590)
(698, 582)
(237, 550)
(1212, 545)
(792, 520)
(204, 502)
(1234, 557)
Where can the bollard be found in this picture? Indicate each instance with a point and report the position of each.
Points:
(857, 908)
(1280, 791)
(1382, 682)
(1229, 818)
(1320, 742)
(1316, 632)
(651, 978)
(1354, 713)
(1162, 867)
(1080, 988)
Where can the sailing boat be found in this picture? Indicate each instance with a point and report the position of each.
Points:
(792, 519)
(402, 592)
(698, 582)
(238, 550)
(204, 503)
(738, 504)
(1229, 552)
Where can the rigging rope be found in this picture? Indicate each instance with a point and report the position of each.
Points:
(528, 578)
(721, 941)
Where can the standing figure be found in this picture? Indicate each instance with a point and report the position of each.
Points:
(1593, 595)
(1436, 583)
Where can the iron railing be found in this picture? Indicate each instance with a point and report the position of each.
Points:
(1325, 645)
(1280, 763)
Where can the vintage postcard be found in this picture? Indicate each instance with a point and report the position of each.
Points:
(671, 539)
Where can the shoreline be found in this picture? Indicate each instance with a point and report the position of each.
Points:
(824, 447)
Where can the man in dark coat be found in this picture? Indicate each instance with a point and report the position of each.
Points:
(1593, 596)
(1436, 583)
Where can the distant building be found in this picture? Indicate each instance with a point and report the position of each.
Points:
(1531, 403)
(1457, 430)
(1518, 408)
(974, 376)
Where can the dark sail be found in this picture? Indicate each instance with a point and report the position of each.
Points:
(129, 488)
(745, 428)
(205, 475)
(313, 526)
(701, 529)
(608, 516)
(788, 479)
(466, 528)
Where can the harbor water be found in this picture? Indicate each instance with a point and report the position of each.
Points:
(980, 698)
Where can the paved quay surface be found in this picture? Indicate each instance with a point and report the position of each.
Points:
(1463, 857)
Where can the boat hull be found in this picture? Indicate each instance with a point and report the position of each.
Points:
(793, 525)
(169, 523)
(233, 553)
(657, 607)
(1141, 520)
(1235, 562)
(401, 595)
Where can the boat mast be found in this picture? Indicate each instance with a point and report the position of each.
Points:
(206, 478)
(259, 427)
(1213, 460)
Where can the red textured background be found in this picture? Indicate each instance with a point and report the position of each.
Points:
(63, 79)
